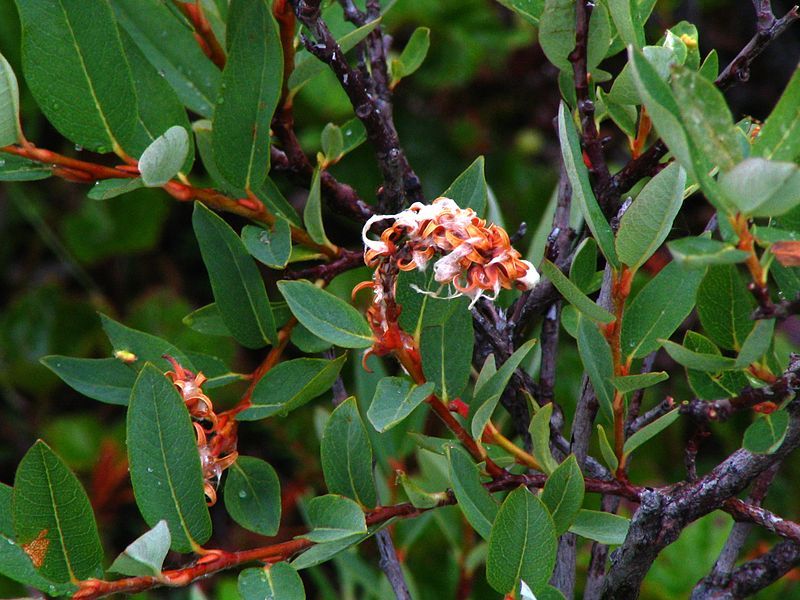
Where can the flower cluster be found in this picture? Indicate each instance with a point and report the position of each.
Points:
(467, 254)
(473, 257)
(217, 448)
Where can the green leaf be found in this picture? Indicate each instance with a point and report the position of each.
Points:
(332, 141)
(766, 434)
(697, 360)
(158, 108)
(111, 188)
(290, 385)
(609, 456)
(164, 461)
(271, 247)
(325, 315)
(779, 138)
(523, 543)
(474, 500)
(312, 214)
(601, 527)
(395, 398)
(710, 67)
(104, 379)
(711, 386)
(347, 455)
(250, 90)
(76, 69)
(596, 356)
(446, 350)
(16, 168)
(334, 517)
(163, 158)
(207, 320)
(581, 188)
(307, 66)
(724, 305)
(51, 506)
(648, 220)
(624, 91)
(237, 285)
(145, 555)
(540, 435)
(486, 398)
(419, 310)
(625, 15)
(574, 295)
(630, 383)
(253, 495)
(583, 269)
(701, 252)
(17, 566)
(181, 61)
(557, 33)
(10, 132)
(413, 54)
(137, 347)
(762, 188)
(659, 309)
(757, 343)
(563, 493)
(354, 135)
(320, 553)
(275, 582)
(706, 118)
(663, 109)
(529, 10)
(469, 190)
(649, 431)
(6, 516)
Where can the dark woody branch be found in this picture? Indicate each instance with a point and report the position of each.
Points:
(400, 184)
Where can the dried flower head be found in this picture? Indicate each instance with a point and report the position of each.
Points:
(473, 257)
(215, 445)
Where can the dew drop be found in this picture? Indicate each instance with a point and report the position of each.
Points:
(149, 469)
(78, 148)
(242, 494)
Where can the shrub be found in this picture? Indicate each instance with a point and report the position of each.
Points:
(649, 332)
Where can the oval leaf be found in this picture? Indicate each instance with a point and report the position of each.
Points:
(163, 158)
(10, 132)
(334, 517)
(53, 520)
(522, 545)
(276, 582)
(238, 288)
(563, 493)
(325, 315)
(144, 556)
(290, 385)
(648, 220)
(251, 88)
(347, 455)
(474, 500)
(87, 94)
(395, 398)
(164, 462)
(253, 495)
(601, 527)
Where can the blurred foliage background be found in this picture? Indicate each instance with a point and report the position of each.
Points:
(485, 89)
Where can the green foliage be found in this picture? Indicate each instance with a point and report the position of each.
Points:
(238, 289)
(280, 104)
(165, 467)
(523, 524)
(51, 506)
(253, 495)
